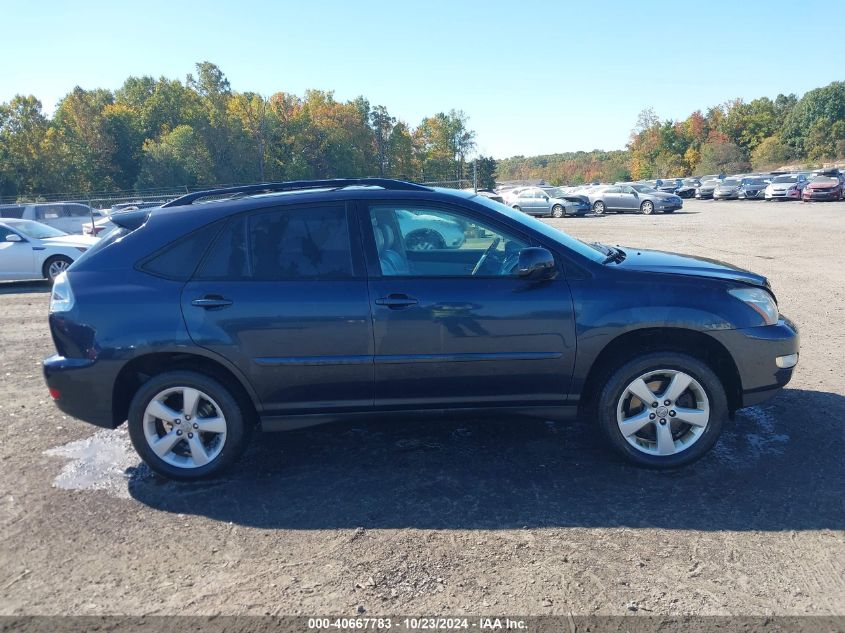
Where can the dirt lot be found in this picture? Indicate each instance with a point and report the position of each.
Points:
(444, 518)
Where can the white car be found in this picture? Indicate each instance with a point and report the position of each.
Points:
(70, 217)
(31, 250)
(425, 232)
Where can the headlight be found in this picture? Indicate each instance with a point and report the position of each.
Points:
(61, 300)
(758, 300)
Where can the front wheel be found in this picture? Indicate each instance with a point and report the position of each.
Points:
(599, 208)
(662, 410)
(186, 426)
(558, 211)
(647, 207)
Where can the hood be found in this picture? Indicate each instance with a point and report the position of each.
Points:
(823, 185)
(677, 264)
(84, 241)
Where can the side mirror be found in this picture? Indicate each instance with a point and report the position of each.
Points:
(14, 237)
(546, 198)
(535, 264)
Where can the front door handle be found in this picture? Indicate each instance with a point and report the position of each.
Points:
(397, 301)
(211, 301)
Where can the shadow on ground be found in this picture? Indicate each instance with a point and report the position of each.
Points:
(777, 467)
(24, 287)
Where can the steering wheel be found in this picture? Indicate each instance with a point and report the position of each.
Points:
(486, 254)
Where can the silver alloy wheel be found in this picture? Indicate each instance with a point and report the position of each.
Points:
(558, 211)
(57, 267)
(185, 427)
(648, 207)
(598, 207)
(663, 412)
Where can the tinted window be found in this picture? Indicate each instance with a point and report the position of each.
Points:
(47, 212)
(227, 258)
(179, 259)
(11, 212)
(76, 210)
(304, 243)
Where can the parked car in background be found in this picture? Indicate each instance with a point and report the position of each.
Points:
(292, 304)
(786, 187)
(670, 185)
(706, 189)
(31, 250)
(427, 231)
(727, 189)
(823, 188)
(688, 187)
(636, 197)
(752, 188)
(69, 217)
(539, 202)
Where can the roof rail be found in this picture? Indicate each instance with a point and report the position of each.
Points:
(271, 187)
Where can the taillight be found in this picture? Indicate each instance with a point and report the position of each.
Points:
(55, 394)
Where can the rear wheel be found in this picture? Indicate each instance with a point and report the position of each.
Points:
(662, 410)
(558, 211)
(186, 426)
(55, 266)
(647, 207)
(599, 208)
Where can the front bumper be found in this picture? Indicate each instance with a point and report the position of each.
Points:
(72, 380)
(755, 351)
(783, 195)
(734, 195)
(821, 195)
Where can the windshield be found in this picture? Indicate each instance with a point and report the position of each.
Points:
(730, 182)
(644, 189)
(36, 230)
(786, 179)
(573, 244)
(825, 180)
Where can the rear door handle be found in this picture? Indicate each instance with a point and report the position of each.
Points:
(211, 301)
(397, 301)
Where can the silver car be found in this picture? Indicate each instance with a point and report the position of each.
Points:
(640, 198)
(536, 201)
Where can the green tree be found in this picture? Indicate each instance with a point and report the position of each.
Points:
(485, 171)
(770, 153)
(178, 159)
(722, 156)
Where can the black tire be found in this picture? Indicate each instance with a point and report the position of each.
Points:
(599, 207)
(647, 207)
(55, 259)
(558, 211)
(237, 429)
(424, 240)
(614, 388)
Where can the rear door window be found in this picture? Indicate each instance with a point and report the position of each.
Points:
(301, 243)
(178, 260)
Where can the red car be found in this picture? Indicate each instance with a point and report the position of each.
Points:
(823, 188)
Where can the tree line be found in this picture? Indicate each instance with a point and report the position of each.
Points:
(165, 133)
(157, 133)
(729, 138)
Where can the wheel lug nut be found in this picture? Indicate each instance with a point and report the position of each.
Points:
(196, 426)
(651, 416)
(667, 402)
(672, 414)
(662, 421)
(187, 417)
(177, 421)
(654, 405)
(178, 432)
(190, 435)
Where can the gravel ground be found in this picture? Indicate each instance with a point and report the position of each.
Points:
(453, 518)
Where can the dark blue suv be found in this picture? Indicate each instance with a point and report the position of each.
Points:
(279, 306)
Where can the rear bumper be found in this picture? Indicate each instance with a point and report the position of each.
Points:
(73, 379)
(755, 351)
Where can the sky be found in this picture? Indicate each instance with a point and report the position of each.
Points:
(533, 77)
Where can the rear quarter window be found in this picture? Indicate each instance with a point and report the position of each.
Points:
(179, 259)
